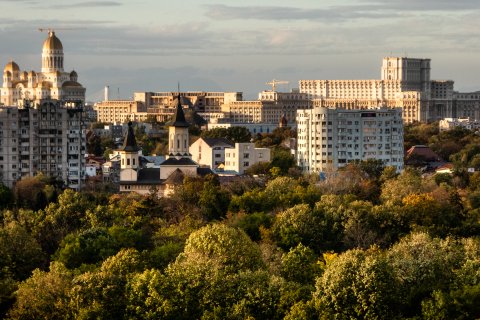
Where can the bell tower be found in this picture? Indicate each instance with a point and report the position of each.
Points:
(178, 139)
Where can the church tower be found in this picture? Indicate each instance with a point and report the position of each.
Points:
(178, 140)
(52, 54)
(129, 159)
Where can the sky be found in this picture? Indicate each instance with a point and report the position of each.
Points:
(152, 45)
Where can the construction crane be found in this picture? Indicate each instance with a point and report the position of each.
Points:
(274, 82)
(53, 29)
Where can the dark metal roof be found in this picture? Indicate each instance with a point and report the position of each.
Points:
(213, 142)
(146, 176)
(203, 171)
(179, 116)
(129, 144)
(179, 162)
(175, 178)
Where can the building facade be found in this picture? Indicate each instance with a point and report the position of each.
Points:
(331, 138)
(405, 83)
(242, 156)
(268, 109)
(210, 152)
(48, 139)
(452, 123)
(160, 105)
(52, 82)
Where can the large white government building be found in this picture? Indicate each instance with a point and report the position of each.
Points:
(42, 128)
(331, 138)
(405, 83)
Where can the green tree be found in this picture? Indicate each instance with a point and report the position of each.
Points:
(300, 265)
(88, 247)
(101, 294)
(230, 247)
(234, 134)
(422, 265)
(45, 295)
(358, 285)
(395, 190)
(283, 159)
(6, 196)
(213, 200)
(19, 251)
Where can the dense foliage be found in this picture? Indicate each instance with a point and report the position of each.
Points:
(367, 243)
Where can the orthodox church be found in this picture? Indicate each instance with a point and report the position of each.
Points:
(178, 163)
(20, 87)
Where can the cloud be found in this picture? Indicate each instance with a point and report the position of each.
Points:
(225, 12)
(87, 4)
(424, 5)
(365, 9)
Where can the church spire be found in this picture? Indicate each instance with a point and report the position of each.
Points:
(129, 144)
(179, 116)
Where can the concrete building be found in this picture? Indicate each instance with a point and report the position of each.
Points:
(52, 82)
(242, 156)
(331, 138)
(451, 123)
(160, 105)
(210, 152)
(48, 139)
(405, 83)
(268, 109)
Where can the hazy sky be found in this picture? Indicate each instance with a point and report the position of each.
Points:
(150, 45)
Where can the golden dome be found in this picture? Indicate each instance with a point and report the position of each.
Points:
(12, 67)
(52, 42)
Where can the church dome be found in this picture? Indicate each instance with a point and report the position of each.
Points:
(52, 42)
(12, 67)
(32, 74)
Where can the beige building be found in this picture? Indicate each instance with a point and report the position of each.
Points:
(210, 152)
(331, 138)
(405, 83)
(268, 109)
(160, 105)
(52, 82)
(120, 111)
(242, 156)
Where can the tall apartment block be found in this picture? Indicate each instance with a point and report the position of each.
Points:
(404, 83)
(331, 138)
(41, 122)
(48, 139)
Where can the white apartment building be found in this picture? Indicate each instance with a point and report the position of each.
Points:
(48, 139)
(405, 83)
(331, 138)
(210, 152)
(243, 155)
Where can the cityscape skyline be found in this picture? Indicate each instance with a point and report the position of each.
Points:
(215, 46)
